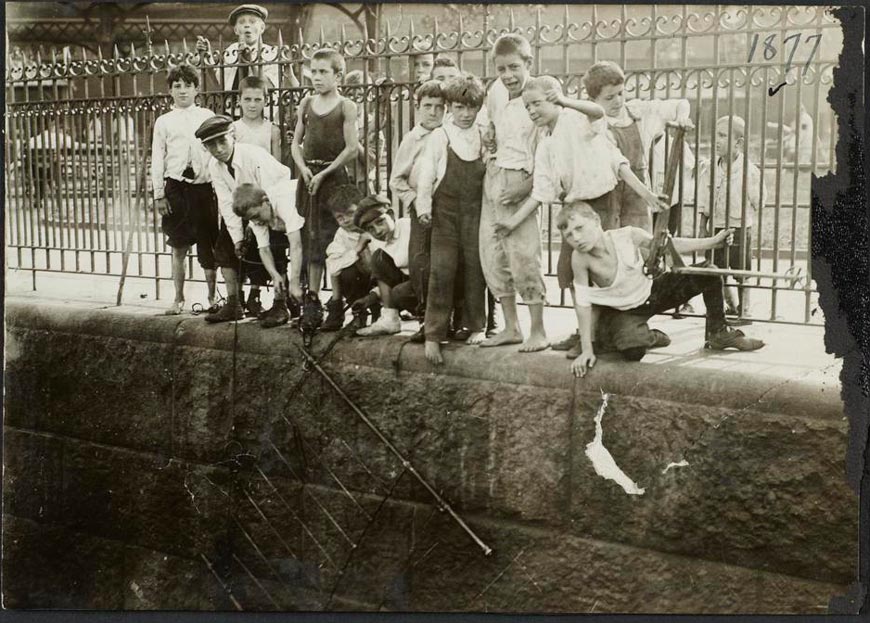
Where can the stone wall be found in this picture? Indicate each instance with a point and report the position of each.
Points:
(160, 463)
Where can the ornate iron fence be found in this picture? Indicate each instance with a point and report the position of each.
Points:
(78, 130)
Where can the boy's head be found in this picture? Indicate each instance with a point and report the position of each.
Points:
(327, 68)
(580, 225)
(216, 134)
(724, 147)
(542, 112)
(444, 68)
(512, 57)
(423, 64)
(183, 83)
(375, 217)
(248, 22)
(464, 96)
(430, 104)
(253, 92)
(343, 203)
(251, 202)
(605, 85)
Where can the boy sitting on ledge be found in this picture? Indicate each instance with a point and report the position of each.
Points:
(615, 298)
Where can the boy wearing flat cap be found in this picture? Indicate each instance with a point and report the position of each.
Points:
(250, 55)
(389, 263)
(232, 165)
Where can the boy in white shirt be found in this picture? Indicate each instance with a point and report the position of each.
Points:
(183, 195)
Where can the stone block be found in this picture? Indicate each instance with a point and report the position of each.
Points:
(158, 581)
(26, 389)
(32, 475)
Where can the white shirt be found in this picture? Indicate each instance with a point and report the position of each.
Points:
(174, 147)
(466, 144)
(515, 134)
(631, 287)
(576, 161)
(255, 165)
(397, 246)
(260, 135)
(733, 198)
(406, 167)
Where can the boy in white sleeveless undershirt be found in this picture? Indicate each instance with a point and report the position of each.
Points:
(615, 298)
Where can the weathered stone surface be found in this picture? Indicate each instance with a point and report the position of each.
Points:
(50, 567)
(26, 390)
(32, 475)
(157, 581)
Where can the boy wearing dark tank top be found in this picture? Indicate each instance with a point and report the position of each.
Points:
(324, 144)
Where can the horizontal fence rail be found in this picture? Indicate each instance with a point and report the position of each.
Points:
(78, 131)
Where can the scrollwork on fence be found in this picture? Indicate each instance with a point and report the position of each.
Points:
(656, 26)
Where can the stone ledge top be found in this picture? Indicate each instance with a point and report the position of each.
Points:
(811, 389)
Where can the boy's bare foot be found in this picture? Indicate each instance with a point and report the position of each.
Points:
(175, 308)
(534, 344)
(503, 339)
(476, 338)
(432, 351)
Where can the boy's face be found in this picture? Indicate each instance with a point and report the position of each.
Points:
(183, 93)
(323, 76)
(541, 112)
(723, 148)
(345, 219)
(253, 101)
(221, 147)
(463, 114)
(430, 112)
(382, 227)
(582, 232)
(611, 99)
(249, 28)
(444, 73)
(261, 214)
(513, 71)
(423, 67)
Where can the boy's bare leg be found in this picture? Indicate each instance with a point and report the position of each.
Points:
(231, 279)
(512, 333)
(537, 339)
(335, 284)
(432, 350)
(730, 297)
(315, 277)
(179, 255)
(211, 283)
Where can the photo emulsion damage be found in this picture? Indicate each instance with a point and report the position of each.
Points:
(434, 307)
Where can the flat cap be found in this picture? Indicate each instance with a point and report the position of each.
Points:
(256, 9)
(213, 127)
(369, 209)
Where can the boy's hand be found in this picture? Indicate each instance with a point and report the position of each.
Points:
(162, 206)
(306, 174)
(364, 241)
(582, 364)
(278, 282)
(511, 194)
(315, 183)
(685, 122)
(724, 238)
(553, 96)
(657, 203)
(504, 228)
(202, 44)
(425, 220)
(489, 138)
(240, 249)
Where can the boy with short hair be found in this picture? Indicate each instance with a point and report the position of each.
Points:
(254, 129)
(733, 179)
(324, 143)
(346, 263)
(183, 195)
(232, 165)
(443, 69)
(615, 297)
(423, 64)
(388, 262)
(512, 263)
(634, 126)
(449, 194)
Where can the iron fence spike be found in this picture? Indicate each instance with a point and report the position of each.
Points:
(435, 26)
(116, 53)
(84, 54)
(512, 22)
(280, 39)
(411, 31)
(344, 34)
(461, 29)
(132, 49)
(322, 37)
(184, 44)
(166, 44)
(567, 15)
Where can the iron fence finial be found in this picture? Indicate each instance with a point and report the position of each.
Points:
(184, 45)
(166, 45)
(322, 37)
(132, 49)
(280, 39)
(411, 32)
(116, 53)
(512, 22)
(344, 34)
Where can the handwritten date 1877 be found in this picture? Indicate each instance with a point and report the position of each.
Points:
(770, 51)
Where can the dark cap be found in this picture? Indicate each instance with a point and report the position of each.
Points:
(213, 127)
(256, 9)
(370, 209)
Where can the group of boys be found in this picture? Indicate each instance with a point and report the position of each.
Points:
(470, 176)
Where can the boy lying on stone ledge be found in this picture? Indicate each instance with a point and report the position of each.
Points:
(615, 298)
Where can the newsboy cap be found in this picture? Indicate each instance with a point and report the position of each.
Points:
(213, 127)
(256, 9)
(369, 209)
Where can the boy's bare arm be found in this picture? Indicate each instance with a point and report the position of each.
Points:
(588, 108)
(275, 143)
(296, 144)
(517, 192)
(587, 316)
(269, 262)
(690, 245)
(295, 240)
(655, 203)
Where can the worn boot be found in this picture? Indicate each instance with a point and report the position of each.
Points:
(732, 338)
(253, 307)
(276, 316)
(334, 315)
(231, 310)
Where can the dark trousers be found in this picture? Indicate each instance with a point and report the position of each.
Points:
(627, 331)
(455, 251)
(355, 281)
(384, 269)
(419, 258)
(193, 220)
